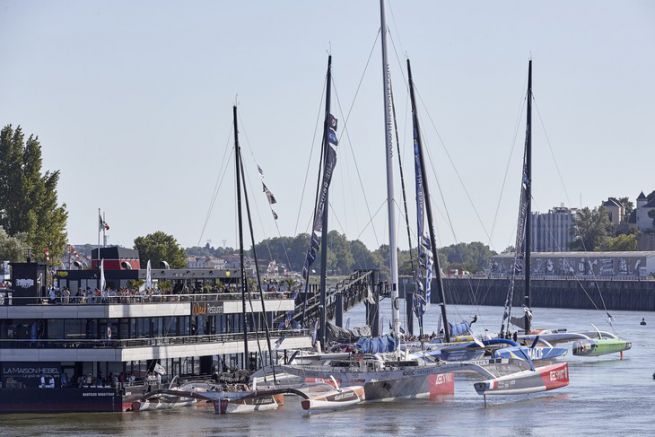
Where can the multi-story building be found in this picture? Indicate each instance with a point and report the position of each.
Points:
(615, 211)
(552, 231)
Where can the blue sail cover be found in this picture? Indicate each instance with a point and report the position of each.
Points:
(425, 261)
(330, 162)
(375, 345)
(461, 328)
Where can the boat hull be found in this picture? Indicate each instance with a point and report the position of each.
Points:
(335, 399)
(542, 378)
(248, 405)
(66, 400)
(598, 347)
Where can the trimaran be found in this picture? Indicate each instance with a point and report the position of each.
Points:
(395, 375)
(592, 343)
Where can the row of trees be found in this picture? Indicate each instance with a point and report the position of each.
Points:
(345, 255)
(592, 231)
(31, 218)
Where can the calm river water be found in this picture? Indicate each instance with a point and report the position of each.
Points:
(606, 396)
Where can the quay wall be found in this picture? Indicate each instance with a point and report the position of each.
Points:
(631, 295)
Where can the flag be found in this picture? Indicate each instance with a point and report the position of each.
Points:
(274, 214)
(269, 195)
(103, 283)
(259, 169)
(159, 369)
(148, 275)
(102, 225)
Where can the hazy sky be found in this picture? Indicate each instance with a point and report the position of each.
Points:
(132, 101)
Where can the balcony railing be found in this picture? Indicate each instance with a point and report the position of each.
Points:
(143, 342)
(7, 298)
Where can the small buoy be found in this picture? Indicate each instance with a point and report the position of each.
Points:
(643, 322)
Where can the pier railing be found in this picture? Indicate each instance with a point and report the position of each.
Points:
(9, 299)
(143, 342)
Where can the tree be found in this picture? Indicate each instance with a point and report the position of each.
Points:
(628, 206)
(472, 257)
(362, 257)
(622, 242)
(590, 228)
(28, 198)
(12, 248)
(158, 247)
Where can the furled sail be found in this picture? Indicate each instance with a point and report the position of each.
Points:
(330, 163)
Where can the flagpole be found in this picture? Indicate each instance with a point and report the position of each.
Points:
(99, 226)
(104, 230)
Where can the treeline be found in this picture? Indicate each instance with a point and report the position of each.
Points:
(345, 255)
(31, 219)
(593, 231)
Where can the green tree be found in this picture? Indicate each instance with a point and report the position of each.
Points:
(472, 257)
(622, 242)
(12, 248)
(158, 247)
(628, 206)
(590, 228)
(340, 259)
(28, 198)
(362, 257)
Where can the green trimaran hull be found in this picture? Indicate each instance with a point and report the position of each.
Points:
(602, 346)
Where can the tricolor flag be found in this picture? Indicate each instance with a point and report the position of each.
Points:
(102, 225)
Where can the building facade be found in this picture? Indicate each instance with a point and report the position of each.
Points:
(552, 231)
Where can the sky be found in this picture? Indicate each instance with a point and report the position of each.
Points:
(132, 102)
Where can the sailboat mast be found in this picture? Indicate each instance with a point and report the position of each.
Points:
(324, 218)
(391, 204)
(237, 163)
(528, 200)
(428, 207)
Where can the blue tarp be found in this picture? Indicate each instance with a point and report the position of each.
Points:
(374, 345)
(459, 329)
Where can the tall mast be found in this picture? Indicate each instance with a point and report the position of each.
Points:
(428, 207)
(237, 163)
(393, 255)
(528, 200)
(324, 218)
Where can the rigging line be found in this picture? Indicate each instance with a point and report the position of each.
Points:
(259, 216)
(345, 125)
(311, 153)
(395, 25)
(452, 163)
(550, 147)
(352, 151)
(402, 180)
(217, 186)
(509, 160)
(448, 217)
(594, 279)
(286, 254)
(334, 215)
(377, 211)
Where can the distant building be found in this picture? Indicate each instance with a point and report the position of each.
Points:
(615, 211)
(552, 231)
(590, 264)
(644, 207)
